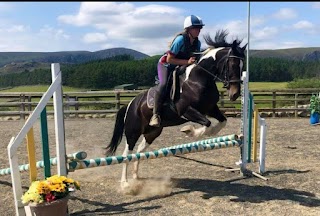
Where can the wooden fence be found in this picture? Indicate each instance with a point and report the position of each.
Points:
(273, 103)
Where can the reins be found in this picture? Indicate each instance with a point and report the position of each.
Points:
(226, 82)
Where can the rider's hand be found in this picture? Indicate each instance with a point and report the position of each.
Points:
(191, 60)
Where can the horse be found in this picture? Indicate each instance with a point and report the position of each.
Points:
(198, 98)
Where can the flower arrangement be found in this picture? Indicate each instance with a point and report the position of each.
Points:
(53, 188)
(315, 104)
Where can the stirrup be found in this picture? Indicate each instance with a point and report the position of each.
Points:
(155, 120)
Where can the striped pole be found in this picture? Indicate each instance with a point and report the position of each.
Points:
(165, 152)
(78, 156)
(207, 141)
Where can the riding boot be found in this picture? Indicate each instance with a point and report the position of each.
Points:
(155, 119)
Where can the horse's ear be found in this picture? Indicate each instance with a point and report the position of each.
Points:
(244, 47)
(234, 44)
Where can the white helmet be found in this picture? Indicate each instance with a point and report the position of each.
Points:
(192, 21)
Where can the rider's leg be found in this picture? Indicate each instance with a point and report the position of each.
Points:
(159, 96)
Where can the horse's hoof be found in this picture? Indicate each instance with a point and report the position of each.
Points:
(124, 185)
(187, 129)
(135, 176)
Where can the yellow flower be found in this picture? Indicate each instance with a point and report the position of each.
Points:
(54, 187)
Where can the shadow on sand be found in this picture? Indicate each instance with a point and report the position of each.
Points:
(210, 189)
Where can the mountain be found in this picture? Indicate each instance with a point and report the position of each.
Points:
(299, 54)
(11, 62)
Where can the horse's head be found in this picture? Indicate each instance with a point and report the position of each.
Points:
(227, 59)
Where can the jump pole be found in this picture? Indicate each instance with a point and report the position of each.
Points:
(77, 156)
(164, 152)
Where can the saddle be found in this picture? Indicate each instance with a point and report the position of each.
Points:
(172, 90)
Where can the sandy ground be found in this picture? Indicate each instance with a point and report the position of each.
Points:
(191, 184)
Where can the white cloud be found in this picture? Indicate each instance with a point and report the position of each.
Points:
(237, 30)
(270, 45)
(94, 38)
(285, 13)
(291, 44)
(316, 5)
(124, 21)
(14, 29)
(53, 33)
(303, 24)
(257, 21)
(264, 33)
(17, 28)
(263, 45)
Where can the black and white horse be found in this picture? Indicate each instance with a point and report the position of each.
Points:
(198, 98)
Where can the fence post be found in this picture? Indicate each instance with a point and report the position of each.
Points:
(67, 105)
(295, 105)
(118, 100)
(274, 105)
(29, 105)
(22, 107)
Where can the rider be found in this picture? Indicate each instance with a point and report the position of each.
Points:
(180, 53)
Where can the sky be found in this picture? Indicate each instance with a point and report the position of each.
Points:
(148, 27)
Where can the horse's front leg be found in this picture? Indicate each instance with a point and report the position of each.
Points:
(217, 114)
(124, 178)
(141, 147)
(148, 138)
(208, 129)
(195, 116)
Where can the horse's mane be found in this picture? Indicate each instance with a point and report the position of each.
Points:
(220, 40)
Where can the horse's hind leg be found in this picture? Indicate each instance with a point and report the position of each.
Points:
(145, 143)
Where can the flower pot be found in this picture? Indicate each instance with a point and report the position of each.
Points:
(314, 118)
(58, 207)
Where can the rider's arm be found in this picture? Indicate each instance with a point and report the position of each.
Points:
(174, 50)
(175, 61)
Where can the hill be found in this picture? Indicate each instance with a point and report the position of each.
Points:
(298, 54)
(16, 62)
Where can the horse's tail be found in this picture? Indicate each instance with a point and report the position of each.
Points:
(117, 132)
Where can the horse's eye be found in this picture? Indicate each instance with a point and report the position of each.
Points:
(234, 66)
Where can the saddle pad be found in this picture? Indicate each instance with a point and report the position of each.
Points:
(150, 97)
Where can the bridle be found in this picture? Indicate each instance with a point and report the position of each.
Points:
(224, 60)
